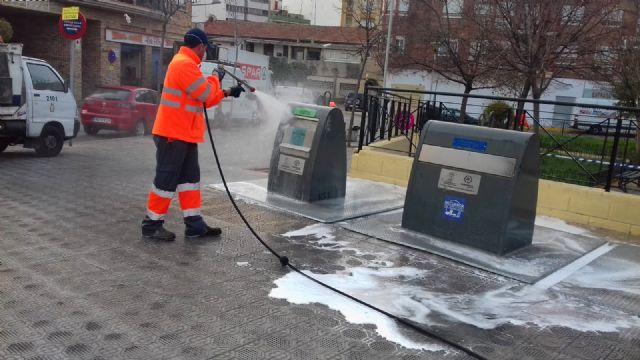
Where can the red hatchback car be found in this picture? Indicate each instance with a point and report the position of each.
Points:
(123, 108)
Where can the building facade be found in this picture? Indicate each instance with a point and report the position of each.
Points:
(352, 11)
(330, 53)
(241, 10)
(120, 47)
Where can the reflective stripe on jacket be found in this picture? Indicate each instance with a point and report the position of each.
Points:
(185, 89)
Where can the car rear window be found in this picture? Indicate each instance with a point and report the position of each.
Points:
(111, 94)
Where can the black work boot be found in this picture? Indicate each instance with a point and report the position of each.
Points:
(153, 229)
(160, 234)
(208, 231)
(197, 228)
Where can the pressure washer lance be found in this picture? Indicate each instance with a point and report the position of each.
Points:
(240, 81)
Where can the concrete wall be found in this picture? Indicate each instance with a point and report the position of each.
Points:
(577, 204)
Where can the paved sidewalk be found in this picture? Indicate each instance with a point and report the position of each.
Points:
(77, 281)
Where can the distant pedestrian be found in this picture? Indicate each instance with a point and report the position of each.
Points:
(178, 129)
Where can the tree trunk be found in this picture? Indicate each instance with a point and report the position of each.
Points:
(523, 95)
(353, 108)
(463, 105)
(160, 79)
(537, 94)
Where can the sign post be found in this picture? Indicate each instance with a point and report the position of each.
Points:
(72, 25)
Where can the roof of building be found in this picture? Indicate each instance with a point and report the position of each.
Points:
(286, 32)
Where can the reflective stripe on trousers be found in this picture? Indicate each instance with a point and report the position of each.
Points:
(190, 198)
(158, 203)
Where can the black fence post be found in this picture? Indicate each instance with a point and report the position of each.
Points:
(392, 114)
(614, 154)
(384, 118)
(363, 119)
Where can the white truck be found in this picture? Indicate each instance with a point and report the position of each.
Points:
(37, 110)
(596, 120)
(252, 67)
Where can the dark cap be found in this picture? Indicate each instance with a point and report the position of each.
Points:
(195, 37)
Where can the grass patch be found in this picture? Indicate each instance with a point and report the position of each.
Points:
(587, 146)
(568, 171)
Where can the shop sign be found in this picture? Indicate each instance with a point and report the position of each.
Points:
(136, 38)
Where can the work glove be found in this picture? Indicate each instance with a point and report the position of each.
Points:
(234, 91)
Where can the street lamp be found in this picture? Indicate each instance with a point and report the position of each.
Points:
(386, 53)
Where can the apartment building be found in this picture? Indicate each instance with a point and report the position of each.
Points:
(330, 52)
(241, 10)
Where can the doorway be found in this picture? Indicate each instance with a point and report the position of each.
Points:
(131, 64)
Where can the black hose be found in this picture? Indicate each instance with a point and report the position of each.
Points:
(285, 262)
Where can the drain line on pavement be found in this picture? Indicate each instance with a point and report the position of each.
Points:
(284, 261)
(569, 269)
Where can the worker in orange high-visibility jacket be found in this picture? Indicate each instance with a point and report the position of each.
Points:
(178, 129)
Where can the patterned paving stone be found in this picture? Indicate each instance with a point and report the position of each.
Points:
(77, 281)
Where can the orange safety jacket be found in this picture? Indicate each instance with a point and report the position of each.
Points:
(185, 90)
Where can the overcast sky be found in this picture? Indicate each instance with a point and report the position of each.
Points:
(327, 11)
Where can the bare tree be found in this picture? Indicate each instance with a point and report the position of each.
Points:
(542, 40)
(367, 15)
(446, 40)
(168, 9)
(620, 66)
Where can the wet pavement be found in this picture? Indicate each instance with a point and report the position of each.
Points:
(78, 282)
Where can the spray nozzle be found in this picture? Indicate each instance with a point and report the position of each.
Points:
(240, 81)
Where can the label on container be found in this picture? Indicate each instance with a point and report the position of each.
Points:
(297, 136)
(453, 208)
(469, 145)
(291, 164)
(459, 181)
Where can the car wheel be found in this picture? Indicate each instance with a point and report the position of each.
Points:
(50, 142)
(140, 129)
(3, 145)
(90, 130)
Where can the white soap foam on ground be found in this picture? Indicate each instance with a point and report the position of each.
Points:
(614, 274)
(319, 231)
(242, 263)
(557, 224)
(298, 290)
(398, 291)
(325, 239)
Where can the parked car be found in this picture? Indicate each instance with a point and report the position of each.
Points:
(122, 108)
(353, 101)
(453, 115)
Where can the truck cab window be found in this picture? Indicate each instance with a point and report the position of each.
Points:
(4, 66)
(43, 78)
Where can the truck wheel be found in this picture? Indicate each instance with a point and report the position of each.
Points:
(50, 142)
(595, 130)
(3, 145)
(90, 130)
